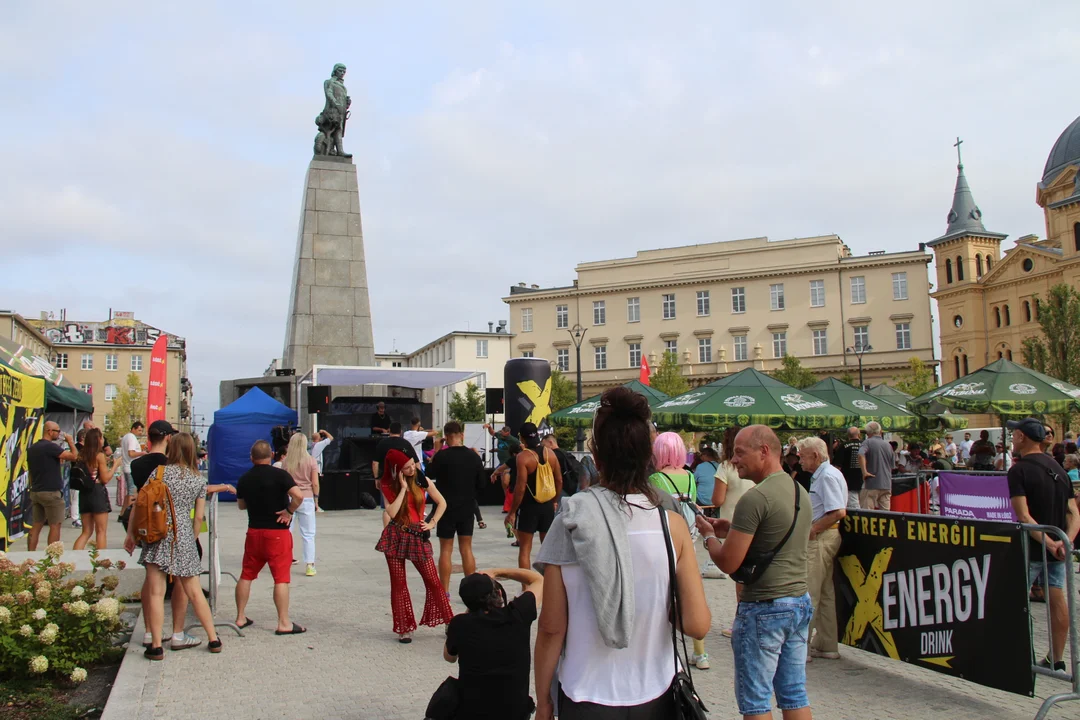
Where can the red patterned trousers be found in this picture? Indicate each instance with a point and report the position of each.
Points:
(437, 609)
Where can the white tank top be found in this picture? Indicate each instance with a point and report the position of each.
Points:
(592, 672)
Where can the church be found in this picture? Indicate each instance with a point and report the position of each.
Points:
(986, 301)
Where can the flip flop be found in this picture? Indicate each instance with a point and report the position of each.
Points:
(248, 622)
(514, 544)
(296, 630)
(482, 525)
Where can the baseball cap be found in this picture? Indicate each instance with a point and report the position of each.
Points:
(1031, 427)
(475, 589)
(161, 428)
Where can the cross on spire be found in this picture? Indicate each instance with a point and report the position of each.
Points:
(957, 145)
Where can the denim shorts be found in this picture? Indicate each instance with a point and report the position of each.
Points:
(769, 643)
(1054, 576)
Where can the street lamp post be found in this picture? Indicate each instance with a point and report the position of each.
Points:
(858, 351)
(577, 334)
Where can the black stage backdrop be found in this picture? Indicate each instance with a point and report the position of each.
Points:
(945, 594)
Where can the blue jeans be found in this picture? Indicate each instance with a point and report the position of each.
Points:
(1054, 576)
(769, 643)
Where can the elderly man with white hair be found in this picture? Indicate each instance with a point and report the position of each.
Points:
(828, 499)
(877, 463)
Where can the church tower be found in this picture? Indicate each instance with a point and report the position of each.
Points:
(1058, 193)
(963, 255)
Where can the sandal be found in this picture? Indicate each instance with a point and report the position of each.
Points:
(296, 630)
(514, 544)
(405, 638)
(482, 525)
(248, 622)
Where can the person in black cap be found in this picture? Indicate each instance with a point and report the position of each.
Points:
(380, 421)
(1042, 495)
(491, 643)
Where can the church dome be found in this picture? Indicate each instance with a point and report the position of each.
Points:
(1066, 152)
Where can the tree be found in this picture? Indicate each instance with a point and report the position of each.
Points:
(848, 379)
(467, 408)
(794, 374)
(668, 378)
(921, 379)
(563, 395)
(128, 406)
(1057, 352)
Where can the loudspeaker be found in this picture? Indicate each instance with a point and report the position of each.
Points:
(494, 405)
(318, 398)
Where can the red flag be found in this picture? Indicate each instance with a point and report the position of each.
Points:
(644, 376)
(155, 393)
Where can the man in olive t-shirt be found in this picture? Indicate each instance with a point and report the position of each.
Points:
(776, 608)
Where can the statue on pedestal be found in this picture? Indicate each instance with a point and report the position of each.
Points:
(331, 121)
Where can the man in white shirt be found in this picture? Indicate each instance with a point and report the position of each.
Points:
(416, 437)
(828, 498)
(129, 450)
(965, 449)
(951, 451)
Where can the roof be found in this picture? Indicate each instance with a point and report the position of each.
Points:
(965, 217)
(255, 407)
(1066, 151)
(416, 378)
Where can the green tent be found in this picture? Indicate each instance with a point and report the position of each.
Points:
(581, 414)
(938, 417)
(60, 394)
(1003, 388)
(868, 407)
(888, 392)
(749, 397)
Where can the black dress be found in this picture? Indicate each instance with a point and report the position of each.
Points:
(96, 501)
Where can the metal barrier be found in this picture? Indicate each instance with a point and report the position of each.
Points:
(214, 564)
(1072, 677)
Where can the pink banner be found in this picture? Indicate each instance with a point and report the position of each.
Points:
(977, 497)
(155, 392)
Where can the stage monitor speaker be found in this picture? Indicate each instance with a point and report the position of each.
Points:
(494, 401)
(318, 398)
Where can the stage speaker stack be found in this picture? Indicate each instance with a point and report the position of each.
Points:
(318, 398)
(494, 404)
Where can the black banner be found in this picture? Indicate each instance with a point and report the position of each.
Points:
(945, 594)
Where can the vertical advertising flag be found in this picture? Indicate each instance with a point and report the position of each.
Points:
(643, 376)
(22, 400)
(155, 393)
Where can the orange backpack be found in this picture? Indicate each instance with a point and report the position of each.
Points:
(154, 515)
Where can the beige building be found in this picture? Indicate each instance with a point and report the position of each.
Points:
(98, 356)
(485, 352)
(986, 301)
(18, 329)
(726, 306)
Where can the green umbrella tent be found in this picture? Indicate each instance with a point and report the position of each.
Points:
(937, 417)
(581, 414)
(60, 394)
(749, 397)
(1003, 388)
(868, 407)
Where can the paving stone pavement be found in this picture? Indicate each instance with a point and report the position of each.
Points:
(350, 665)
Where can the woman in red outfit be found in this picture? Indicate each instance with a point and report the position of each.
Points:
(405, 537)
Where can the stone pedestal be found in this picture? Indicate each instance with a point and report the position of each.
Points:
(329, 312)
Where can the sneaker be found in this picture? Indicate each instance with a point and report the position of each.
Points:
(712, 572)
(157, 653)
(1045, 663)
(701, 662)
(310, 572)
(214, 646)
(726, 632)
(184, 641)
(76, 523)
(824, 655)
(509, 529)
(319, 509)
(147, 640)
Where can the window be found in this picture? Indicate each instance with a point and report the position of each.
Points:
(1028, 265)
(959, 268)
(87, 388)
(978, 265)
(738, 300)
(61, 361)
(1076, 236)
(956, 365)
(997, 317)
(136, 363)
(966, 371)
(776, 296)
(527, 353)
(87, 361)
(110, 391)
(1008, 316)
(858, 290)
(112, 361)
(599, 312)
(704, 350)
(817, 293)
(635, 355)
(821, 342)
(1008, 355)
(600, 357)
(899, 286)
(481, 348)
(989, 265)
(703, 303)
(633, 309)
(1027, 313)
(903, 336)
(779, 344)
(948, 271)
(562, 359)
(669, 306)
(562, 317)
(526, 319)
(672, 346)
(862, 337)
(740, 348)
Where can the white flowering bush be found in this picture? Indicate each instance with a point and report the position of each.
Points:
(51, 622)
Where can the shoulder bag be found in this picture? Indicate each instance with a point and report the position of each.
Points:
(754, 566)
(688, 705)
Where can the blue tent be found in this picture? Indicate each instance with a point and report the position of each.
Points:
(236, 428)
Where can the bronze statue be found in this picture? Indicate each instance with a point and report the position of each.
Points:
(331, 121)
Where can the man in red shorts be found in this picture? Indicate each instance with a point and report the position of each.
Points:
(270, 497)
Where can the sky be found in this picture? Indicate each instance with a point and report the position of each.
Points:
(154, 154)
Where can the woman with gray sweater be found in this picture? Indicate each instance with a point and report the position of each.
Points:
(605, 627)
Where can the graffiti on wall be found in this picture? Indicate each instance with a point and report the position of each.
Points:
(84, 333)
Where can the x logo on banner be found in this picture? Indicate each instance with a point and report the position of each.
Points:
(867, 610)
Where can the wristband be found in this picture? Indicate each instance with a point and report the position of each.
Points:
(705, 542)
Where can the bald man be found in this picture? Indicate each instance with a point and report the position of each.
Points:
(777, 604)
(43, 460)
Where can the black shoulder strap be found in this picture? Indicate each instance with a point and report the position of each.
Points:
(794, 519)
(676, 609)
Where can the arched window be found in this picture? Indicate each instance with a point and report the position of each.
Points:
(956, 365)
(1008, 354)
(1008, 316)
(1076, 236)
(948, 271)
(978, 266)
(1027, 311)
(989, 264)
(959, 269)
(965, 365)
(997, 317)
(1000, 355)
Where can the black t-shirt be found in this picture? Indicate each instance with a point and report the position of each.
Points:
(1046, 485)
(380, 421)
(493, 656)
(144, 466)
(457, 472)
(393, 443)
(265, 491)
(846, 460)
(801, 476)
(43, 461)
